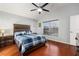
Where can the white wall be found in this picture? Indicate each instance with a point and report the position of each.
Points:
(7, 20)
(63, 14)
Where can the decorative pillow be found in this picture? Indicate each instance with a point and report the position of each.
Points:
(20, 33)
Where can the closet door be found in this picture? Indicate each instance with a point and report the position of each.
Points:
(74, 29)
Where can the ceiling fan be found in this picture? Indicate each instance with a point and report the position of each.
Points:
(40, 8)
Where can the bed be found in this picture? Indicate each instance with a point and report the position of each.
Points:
(25, 40)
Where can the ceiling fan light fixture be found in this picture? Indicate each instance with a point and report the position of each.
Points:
(39, 10)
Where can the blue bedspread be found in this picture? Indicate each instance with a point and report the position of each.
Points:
(26, 41)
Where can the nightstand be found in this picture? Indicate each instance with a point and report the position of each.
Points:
(6, 40)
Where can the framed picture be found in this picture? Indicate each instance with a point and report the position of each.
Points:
(39, 24)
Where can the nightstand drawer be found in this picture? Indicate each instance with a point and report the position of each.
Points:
(2, 43)
(6, 40)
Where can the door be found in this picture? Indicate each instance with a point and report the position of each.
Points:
(74, 29)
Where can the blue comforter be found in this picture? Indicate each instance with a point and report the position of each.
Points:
(26, 41)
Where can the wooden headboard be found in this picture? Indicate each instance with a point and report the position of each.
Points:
(21, 27)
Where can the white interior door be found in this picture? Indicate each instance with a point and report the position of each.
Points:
(74, 28)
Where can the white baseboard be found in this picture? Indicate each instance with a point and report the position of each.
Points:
(60, 41)
(63, 42)
(57, 40)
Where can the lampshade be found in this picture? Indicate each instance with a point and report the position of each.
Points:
(2, 31)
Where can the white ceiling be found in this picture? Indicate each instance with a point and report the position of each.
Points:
(23, 9)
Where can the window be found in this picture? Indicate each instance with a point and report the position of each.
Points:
(51, 27)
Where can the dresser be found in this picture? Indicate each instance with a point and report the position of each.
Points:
(6, 40)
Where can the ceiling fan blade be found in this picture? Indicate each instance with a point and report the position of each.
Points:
(39, 12)
(33, 9)
(45, 10)
(34, 4)
(44, 5)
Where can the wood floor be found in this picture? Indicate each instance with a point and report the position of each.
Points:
(51, 48)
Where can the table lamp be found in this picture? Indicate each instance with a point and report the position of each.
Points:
(2, 31)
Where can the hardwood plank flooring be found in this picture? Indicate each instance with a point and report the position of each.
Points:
(51, 48)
